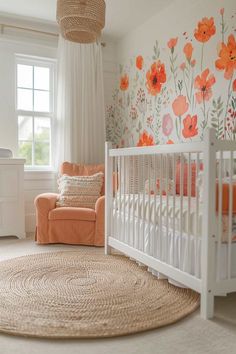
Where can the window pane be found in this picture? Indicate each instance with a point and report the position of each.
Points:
(42, 129)
(25, 151)
(42, 154)
(25, 128)
(24, 99)
(41, 101)
(41, 78)
(24, 76)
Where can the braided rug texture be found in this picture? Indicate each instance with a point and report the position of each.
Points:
(85, 294)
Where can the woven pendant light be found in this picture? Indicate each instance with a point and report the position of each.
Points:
(81, 21)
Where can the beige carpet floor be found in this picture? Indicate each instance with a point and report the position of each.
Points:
(191, 335)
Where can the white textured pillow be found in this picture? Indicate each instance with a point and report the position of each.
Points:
(79, 191)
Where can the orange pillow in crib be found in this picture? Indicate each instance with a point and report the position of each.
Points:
(185, 178)
(152, 187)
(225, 197)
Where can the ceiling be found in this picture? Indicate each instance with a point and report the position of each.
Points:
(121, 15)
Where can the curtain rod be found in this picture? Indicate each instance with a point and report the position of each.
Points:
(3, 25)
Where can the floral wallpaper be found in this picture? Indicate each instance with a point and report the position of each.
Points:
(173, 94)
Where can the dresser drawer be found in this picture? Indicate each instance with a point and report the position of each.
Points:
(12, 214)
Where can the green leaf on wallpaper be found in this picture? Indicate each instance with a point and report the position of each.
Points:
(233, 103)
(156, 51)
(187, 75)
(121, 67)
(216, 121)
(180, 85)
(139, 127)
(187, 68)
(128, 99)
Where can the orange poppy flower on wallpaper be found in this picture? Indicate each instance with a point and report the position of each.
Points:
(203, 83)
(180, 105)
(182, 66)
(169, 142)
(156, 77)
(205, 29)
(145, 139)
(124, 82)
(190, 126)
(234, 85)
(227, 57)
(139, 62)
(188, 50)
(172, 42)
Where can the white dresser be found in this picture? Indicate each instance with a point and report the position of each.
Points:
(12, 208)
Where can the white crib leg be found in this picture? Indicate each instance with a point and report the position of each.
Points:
(207, 305)
(107, 250)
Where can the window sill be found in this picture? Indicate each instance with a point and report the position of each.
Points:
(40, 174)
(40, 170)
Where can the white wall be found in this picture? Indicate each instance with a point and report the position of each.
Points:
(109, 69)
(16, 42)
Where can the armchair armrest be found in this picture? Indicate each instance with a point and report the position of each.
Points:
(100, 205)
(100, 221)
(44, 203)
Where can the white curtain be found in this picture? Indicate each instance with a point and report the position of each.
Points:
(80, 121)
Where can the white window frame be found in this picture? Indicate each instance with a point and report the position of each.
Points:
(51, 64)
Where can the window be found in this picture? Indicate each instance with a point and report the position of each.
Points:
(35, 110)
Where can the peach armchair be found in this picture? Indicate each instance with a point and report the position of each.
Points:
(66, 224)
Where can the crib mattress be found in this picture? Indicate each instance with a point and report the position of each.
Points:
(183, 215)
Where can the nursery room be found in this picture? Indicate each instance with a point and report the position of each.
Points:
(117, 176)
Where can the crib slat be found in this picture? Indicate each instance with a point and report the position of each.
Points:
(219, 214)
(181, 205)
(167, 208)
(139, 191)
(128, 191)
(197, 227)
(133, 204)
(143, 216)
(155, 235)
(230, 214)
(115, 197)
(149, 206)
(125, 199)
(160, 207)
(189, 211)
(120, 176)
(112, 199)
(174, 202)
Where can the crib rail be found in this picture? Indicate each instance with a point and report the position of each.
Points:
(166, 208)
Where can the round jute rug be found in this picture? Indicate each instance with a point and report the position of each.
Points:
(82, 294)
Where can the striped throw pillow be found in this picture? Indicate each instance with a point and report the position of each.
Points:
(79, 191)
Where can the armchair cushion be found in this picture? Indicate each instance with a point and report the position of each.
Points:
(74, 169)
(67, 213)
(80, 191)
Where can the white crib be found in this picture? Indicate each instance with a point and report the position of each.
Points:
(173, 232)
